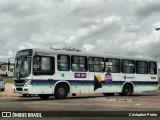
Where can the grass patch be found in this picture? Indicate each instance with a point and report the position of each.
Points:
(8, 79)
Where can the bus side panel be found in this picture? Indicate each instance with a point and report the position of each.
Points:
(152, 82)
(77, 88)
(78, 85)
(140, 82)
(96, 76)
(42, 84)
(41, 89)
(114, 85)
(79, 82)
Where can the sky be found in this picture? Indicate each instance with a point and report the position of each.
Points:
(120, 27)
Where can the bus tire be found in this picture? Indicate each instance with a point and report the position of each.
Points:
(44, 96)
(2, 89)
(121, 94)
(127, 90)
(61, 91)
(108, 94)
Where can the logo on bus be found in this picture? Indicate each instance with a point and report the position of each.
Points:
(132, 77)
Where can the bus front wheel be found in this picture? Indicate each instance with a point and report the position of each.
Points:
(61, 91)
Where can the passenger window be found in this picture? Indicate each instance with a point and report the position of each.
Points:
(96, 64)
(113, 64)
(43, 65)
(127, 66)
(141, 67)
(152, 68)
(79, 63)
(63, 63)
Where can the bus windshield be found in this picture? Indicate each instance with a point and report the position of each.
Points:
(23, 67)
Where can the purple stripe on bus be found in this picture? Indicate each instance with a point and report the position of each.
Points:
(90, 81)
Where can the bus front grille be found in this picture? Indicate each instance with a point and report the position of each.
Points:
(19, 89)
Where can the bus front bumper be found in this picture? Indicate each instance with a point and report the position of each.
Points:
(17, 89)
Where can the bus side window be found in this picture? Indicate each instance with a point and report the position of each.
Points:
(63, 62)
(152, 68)
(36, 63)
(79, 63)
(43, 65)
(114, 64)
(141, 67)
(96, 64)
(74, 67)
(127, 66)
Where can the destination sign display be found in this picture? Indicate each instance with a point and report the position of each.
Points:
(24, 53)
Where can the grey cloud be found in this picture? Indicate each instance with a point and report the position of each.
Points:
(132, 28)
(146, 8)
(154, 49)
(112, 27)
(100, 30)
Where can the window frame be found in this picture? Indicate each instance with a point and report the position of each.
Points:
(155, 69)
(142, 67)
(127, 66)
(95, 64)
(44, 72)
(86, 68)
(68, 59)
(119, 68)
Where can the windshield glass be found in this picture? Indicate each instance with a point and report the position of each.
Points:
(23, 67)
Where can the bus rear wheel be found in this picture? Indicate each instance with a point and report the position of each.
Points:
(127, 90)
(44, 96)
(108, 94)
(61, 91)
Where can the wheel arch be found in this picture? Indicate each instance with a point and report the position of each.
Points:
(130, 83)
(64, 83)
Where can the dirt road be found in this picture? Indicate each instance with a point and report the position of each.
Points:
(8, 91)
(85, 102)
(90, 105)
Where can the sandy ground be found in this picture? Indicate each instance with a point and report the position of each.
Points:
(8, 91)
(147, 101)
(152, 97)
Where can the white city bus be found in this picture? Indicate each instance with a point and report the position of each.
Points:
(61, 72)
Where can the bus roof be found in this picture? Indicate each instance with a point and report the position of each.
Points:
(57, 51)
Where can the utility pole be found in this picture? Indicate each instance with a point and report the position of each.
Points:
(8, 64)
